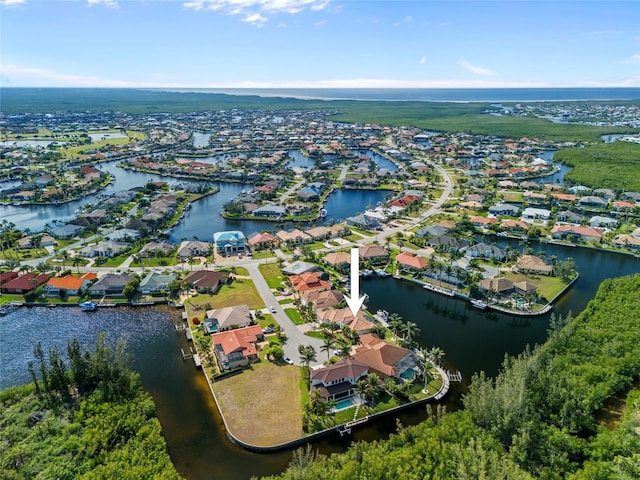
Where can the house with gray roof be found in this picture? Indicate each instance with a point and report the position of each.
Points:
(504, 209)
(110, 284)
(106, 248)
(156, 282)
(299, 267)
(484, 250)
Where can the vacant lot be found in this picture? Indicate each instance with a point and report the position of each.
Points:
(262, 407)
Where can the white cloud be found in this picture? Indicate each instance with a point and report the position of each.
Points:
(404, 21)
(107, 3)
(475, 69)
(12, 3)
(633, 59)
(423, 60)
(320, 23)
(257, 12)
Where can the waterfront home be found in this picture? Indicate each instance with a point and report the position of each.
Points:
(485, 250)
(534, 198)
(533, 264)
(262, 241)
(563, 198)
(483, 222)
(193, 248)
(517, 227)
(525, 288)
(227, 318)
(501, 285)
(602, 221)
(156, 282)
(504, 209)
(322, 299)
(309, 281)
(276, 211)
(341, 261)
(583, 233)
(387, 360)
(624, 206)
(70, 284)
(374, 254)
(6, 276)
(206, 280)
(338, 381)
(364, 222)
(627, 241)
(340, 316)
(24, 283)
(429, 231)
(325, 233)
(411, 263)
(230, 242)
(111, 284)
(605, 193)
(124, 235)
(236, 348)
(106, 248)
(66, 231)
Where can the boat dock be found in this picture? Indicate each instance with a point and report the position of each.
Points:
(443, 291)
(455, 377)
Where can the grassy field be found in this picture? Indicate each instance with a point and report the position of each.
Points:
(241, 291)
(272, 274)
(548, 287)
(263, 406)
(610, 165)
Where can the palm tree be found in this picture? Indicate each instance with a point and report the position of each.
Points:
(307, 354)
(76, 263)
(409, 331)
(436, 354)
(327, 345)
(426, 364)
(395, 322)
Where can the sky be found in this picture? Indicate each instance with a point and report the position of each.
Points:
(319, 43)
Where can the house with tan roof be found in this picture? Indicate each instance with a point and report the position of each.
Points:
(385, 359)
(263, 240)
(374, 254)
(627, 241)
(338, 381)
(322, 299)
(227, 318)
(583, 233)
(533, 264)
(340, 316)
(500, 285)
(294, 236)
(69, 283)
(236, 348)
(341, 261)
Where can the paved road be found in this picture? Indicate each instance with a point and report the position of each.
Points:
(294, 336)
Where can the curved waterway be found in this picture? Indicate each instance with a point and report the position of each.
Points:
(473, 340)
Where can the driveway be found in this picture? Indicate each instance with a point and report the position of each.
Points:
(294, 336)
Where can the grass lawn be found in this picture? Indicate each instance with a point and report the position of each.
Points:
(272, 274)
(364, 233)
(239, 292)
(294, 315)
(260, 254)
(316, 245)
(548, 287)
(313, 334)
(271, 394)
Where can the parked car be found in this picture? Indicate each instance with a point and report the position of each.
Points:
(272, 309)
(288, 360)
(268, 330)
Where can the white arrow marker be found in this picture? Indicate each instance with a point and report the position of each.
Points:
(355, 302)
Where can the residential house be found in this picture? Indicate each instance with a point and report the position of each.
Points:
(533, 264)
(221, 319)
(387, 360)
(70, 284)
(515, 226)
(6, 276)
(429, 231)
(309, 281)
(448, 243)
(230, 242)
(364, 222)
(341, 261)
(567, 216)
(485, 250)
(156, 282)
(322, 299)
(338, 381)
(106, 248)
(276, 211)
(206, 280)
(66, 231)
(111, 284)
(24, 283)
(374, 254)
(153, 249)
(483, 222)
(193, 248)
(602, 221)
(627, 241)
(236, 348)
(31, 241)
(298, 267)
(501, 285)
(262, 241)
(532, 214)
(340, 316)
(294, 237)
(525, 288)
(583, 233)
(592, 201)
(411, 263)
(504, 209)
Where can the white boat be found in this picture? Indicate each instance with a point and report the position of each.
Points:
(323, 212)
(87, 306)
(479, 304)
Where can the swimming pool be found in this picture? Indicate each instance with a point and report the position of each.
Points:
(346, 403)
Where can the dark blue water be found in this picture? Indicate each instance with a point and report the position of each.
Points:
(439, 94)
(381, 162)
(346, 203)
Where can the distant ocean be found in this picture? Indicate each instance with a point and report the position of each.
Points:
(436, 94)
